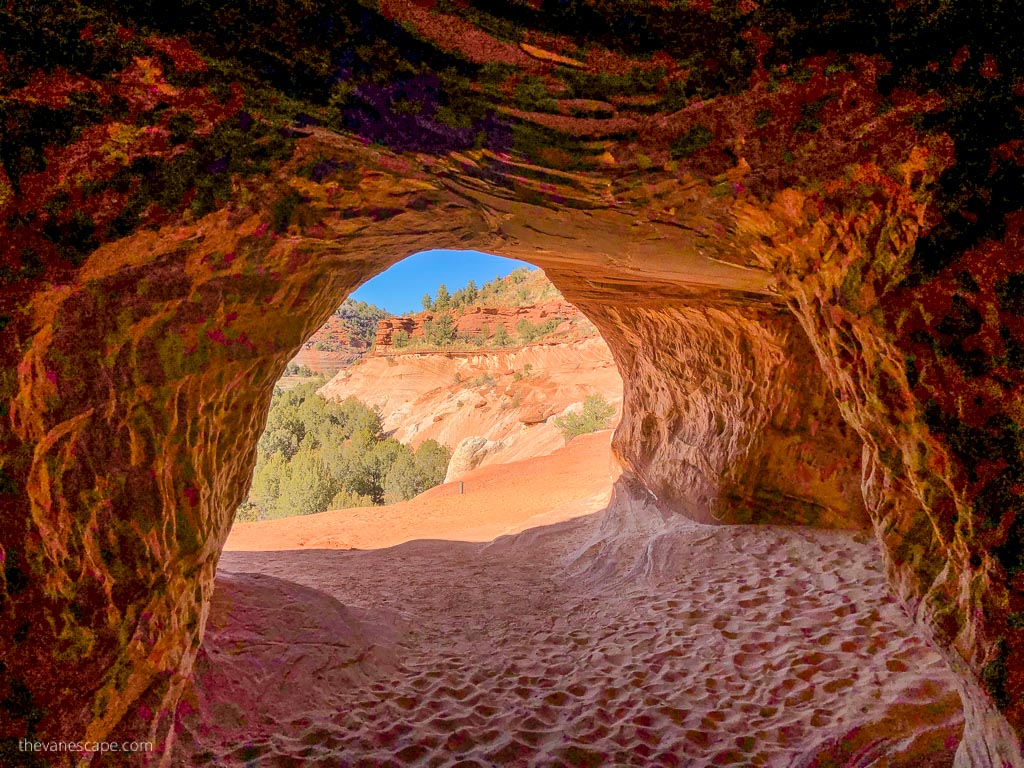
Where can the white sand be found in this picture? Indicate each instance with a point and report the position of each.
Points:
(616, 639)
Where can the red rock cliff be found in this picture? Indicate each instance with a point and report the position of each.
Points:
(477, 321)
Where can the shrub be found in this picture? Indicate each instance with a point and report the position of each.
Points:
(410, 474)
(529, 332)
(400, 339)
(596, 414)
(696, 138)
(520, 375)
(501, 337)
(315, 455)
(440, 332)
(345, 499)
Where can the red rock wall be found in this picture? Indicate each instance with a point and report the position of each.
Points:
(473, 320)
(747, 432)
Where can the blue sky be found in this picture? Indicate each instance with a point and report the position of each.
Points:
(400, 289)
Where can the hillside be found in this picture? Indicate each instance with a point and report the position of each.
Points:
(520, 308)
(347, 335)
(508, 397)
(497, 363)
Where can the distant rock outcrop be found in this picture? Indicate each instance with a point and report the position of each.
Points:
(331, 348)
(483, 322)
(505, 396)
(470, 454)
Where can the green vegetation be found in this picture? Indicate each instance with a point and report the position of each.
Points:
(596, 414)
(695, 139)
(522, 287)
(440, 332)
(520, 375)
(501, 337)
(362, 319)
(529, 332)
(994, 674)
(316, 455)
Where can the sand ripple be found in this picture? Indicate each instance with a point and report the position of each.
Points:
(671, 645)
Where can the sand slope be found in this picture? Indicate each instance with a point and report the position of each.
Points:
(620, 638)
(498, 499)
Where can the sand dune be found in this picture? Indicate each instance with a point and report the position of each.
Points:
(618, 638)
(496, 500)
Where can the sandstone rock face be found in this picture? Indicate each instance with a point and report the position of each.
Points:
(804, 262)
(330, 349)
(470, 454)
(473, 320)
(506, 396)
(752, 436)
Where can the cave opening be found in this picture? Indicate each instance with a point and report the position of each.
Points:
(574, 639)
(442, 365)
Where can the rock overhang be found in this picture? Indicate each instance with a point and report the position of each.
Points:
(798, 176)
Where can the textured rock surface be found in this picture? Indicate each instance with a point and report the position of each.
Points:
(174, 229)
(751, 433)
(506, 396)
(473, 320)
(469, 454)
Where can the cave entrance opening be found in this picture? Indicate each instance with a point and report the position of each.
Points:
(452, 374)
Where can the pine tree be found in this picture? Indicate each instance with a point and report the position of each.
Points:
(443, 300)
(307, 487)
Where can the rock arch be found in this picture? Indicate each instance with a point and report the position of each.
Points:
(138, 361)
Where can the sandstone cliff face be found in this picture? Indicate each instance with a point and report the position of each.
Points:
(472, 321)
(508, 396)
(331, 348)
(163, 263)
(754, 434)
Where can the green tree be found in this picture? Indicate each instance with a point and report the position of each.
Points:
(402, 481)
(410, 474)
(443, 300)
(427, 302)
(440, 332)
(266, 482)
(501, 337)
(596, 414)
(307, 487)
(432, 460)
(317, 455)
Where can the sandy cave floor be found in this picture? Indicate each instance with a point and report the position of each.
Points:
(618, 638)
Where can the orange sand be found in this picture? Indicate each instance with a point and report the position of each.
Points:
(497, 500)
(618, 638)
